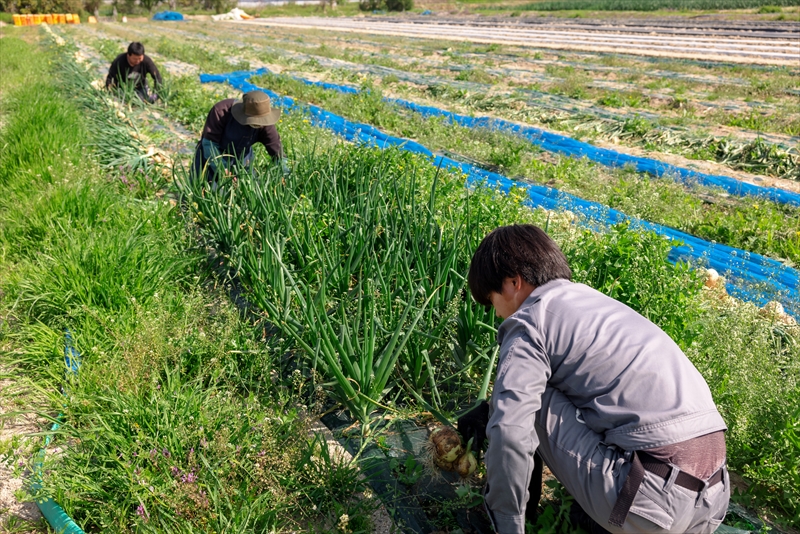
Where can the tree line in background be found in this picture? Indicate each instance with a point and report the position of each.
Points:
(118, 6)
(388, 5)
(138, 6)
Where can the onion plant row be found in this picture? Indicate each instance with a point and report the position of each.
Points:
(358, 256)
(355, 258)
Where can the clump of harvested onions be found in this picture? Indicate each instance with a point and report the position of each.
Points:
(445, 452)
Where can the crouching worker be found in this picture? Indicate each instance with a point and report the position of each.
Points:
(616, 410)
(132, 67)
(231, 130)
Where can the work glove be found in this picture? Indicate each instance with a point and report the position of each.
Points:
(472, 425)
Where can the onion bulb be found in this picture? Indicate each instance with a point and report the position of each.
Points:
(446, 445)
(445, 452)
(466, 464)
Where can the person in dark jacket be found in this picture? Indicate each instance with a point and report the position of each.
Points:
(616, 410)
(231, 129)
(133, 66)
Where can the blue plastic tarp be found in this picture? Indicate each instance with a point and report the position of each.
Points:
(168, 15)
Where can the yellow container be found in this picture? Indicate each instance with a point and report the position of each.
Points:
(92, 19)
(48, 18)
(28, 20)
(17, 21)
(38, 19)
(69, 18)
(76, 19)
(62, 18)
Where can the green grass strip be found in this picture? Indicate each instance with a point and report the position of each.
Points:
(176, 424)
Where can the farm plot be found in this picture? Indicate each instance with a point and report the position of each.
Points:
(690, 122)
(701, 211)
(353, 265)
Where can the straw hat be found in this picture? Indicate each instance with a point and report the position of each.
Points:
(255, 109)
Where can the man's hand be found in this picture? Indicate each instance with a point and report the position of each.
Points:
(472, 425)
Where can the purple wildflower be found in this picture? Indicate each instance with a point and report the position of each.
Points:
(166, 453)
(175, 471)
(189, 478)
(142, 513)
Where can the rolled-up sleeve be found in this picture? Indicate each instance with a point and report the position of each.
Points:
(522, 375)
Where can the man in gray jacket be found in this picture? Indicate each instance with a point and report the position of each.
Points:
(619, 414)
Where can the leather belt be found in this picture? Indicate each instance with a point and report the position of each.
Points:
(644, 462)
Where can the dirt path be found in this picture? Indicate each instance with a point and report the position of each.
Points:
(15, 516)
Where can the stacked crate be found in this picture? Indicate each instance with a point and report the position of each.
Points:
(49, 18)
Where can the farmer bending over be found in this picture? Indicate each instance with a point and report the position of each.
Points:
(620, 415)
(132, 67)
(231, 130)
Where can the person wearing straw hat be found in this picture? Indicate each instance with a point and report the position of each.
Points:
(232, 128)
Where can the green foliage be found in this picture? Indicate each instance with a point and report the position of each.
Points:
(177, 423)
(408, 472)
(319, 251)
(632, 267)
(389, 5)
(475, 75)
(399, 5)
(92, 6)
(367, 254)
(752, 366)
(36, 144)
(190, 103)
(219, 6)
(149, 4)
(48, 6)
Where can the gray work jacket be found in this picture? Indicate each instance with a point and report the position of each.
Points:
(631, 382)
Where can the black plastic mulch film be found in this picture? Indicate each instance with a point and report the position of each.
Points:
(409, 504)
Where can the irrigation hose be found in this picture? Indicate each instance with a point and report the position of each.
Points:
(55, 515)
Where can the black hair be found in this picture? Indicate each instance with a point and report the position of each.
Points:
(508, 251)
(136, 49)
